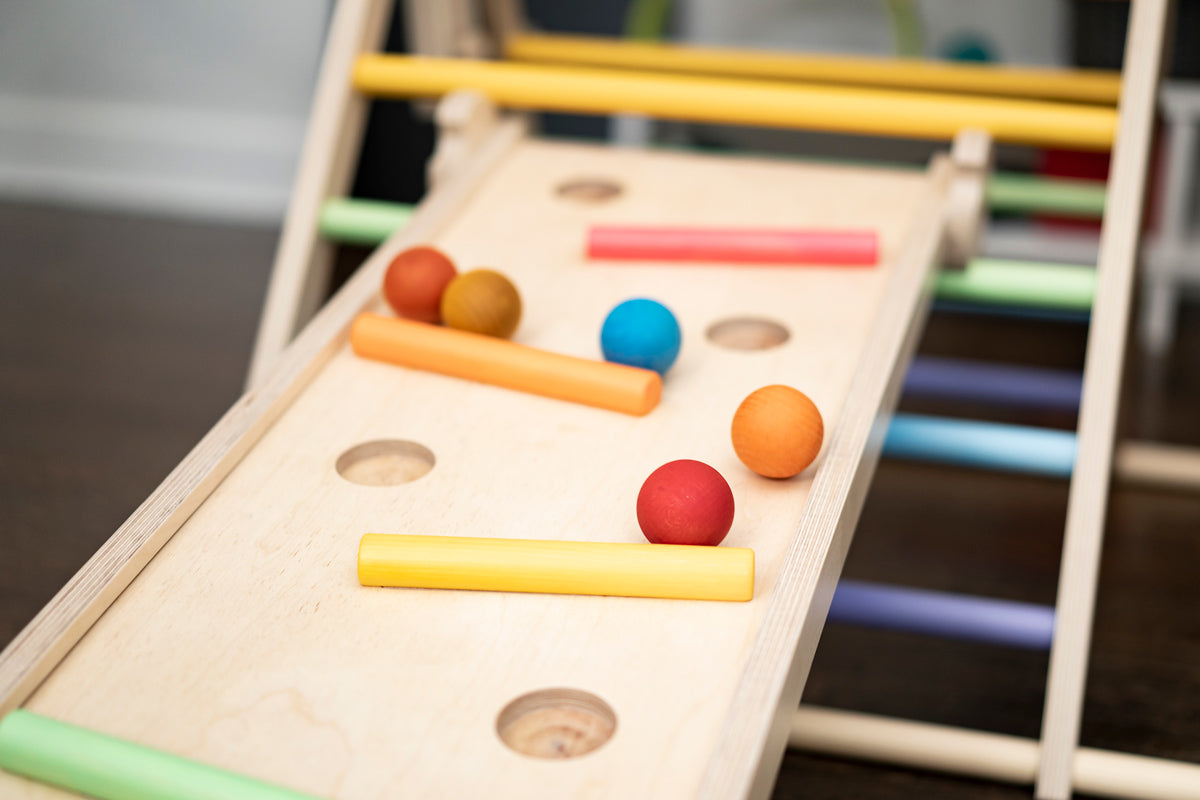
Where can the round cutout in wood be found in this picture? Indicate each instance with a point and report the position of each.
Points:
(385, 462)
(747, 333)
(589, 190)
(556, 723)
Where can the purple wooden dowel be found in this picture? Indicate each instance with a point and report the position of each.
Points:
(997, 384)
(952, 616)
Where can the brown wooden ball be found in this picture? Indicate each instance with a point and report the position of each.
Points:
(415, 281)
(777, 431)
(482, 301)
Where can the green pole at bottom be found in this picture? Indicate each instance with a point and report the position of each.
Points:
(93, 764)
(1022, 283)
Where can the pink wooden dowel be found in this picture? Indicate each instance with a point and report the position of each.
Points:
(735, 245)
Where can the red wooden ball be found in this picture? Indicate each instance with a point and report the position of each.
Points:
(685, 502)
(415, 281)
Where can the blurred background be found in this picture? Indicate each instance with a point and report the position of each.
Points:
(197, 110)
(147, 153)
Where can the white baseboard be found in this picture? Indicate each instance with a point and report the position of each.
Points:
(211, 164)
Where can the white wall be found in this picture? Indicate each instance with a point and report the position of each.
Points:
(181, 107)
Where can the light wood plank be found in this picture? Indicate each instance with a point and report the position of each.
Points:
(247, 642)
(1088, 498)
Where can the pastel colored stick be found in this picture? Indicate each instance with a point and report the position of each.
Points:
(994, 384)
(97, 765)
(1032, 194)
(735, 245)
(499, 362)
(1063, 287)
(944, 614)
(362, 222)
(984, 445)
(682, 572)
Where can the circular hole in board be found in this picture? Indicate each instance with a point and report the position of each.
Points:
(556, 723)
(747, 333)
(589, 190)
(385, 462)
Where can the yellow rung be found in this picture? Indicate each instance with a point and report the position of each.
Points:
(1071, 85)
(877, 112)
(675, 571)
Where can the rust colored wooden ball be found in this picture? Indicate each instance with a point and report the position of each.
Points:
(414, 283)
(685, 502)
(777, 431)
(482, 301)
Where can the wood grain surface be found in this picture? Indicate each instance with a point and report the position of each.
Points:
(154, 325)
(296, 674)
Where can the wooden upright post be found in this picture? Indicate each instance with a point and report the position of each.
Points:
(1088, 498)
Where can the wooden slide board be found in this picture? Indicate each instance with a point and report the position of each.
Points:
(247, 642)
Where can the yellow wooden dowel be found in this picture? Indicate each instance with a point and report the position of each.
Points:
(877, 112)
(1072, 85)
(682, 572)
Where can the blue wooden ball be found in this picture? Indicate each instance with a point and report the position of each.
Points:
(641, 333)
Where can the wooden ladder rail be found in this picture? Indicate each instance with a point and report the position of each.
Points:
(1088, 498)
(328, 159)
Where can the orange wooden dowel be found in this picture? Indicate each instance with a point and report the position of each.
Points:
(503, 363)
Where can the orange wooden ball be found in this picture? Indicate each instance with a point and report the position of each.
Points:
(777, 431)
(482, 301)
(414, 283)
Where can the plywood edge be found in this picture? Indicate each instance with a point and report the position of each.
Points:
(753, 738)
(34, 653)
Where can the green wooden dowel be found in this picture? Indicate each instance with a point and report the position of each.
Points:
(1028, 194)
(101, 766)
(1022, 283)
(364, 222)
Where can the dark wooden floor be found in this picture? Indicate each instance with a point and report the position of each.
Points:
(123, 339)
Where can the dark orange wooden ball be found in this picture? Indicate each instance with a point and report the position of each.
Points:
(777, 431)
(482, 301)
(415, 281)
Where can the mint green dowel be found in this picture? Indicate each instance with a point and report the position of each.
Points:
(101, 766)
(365, 222)
(1031, 194)
(1024, 283)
